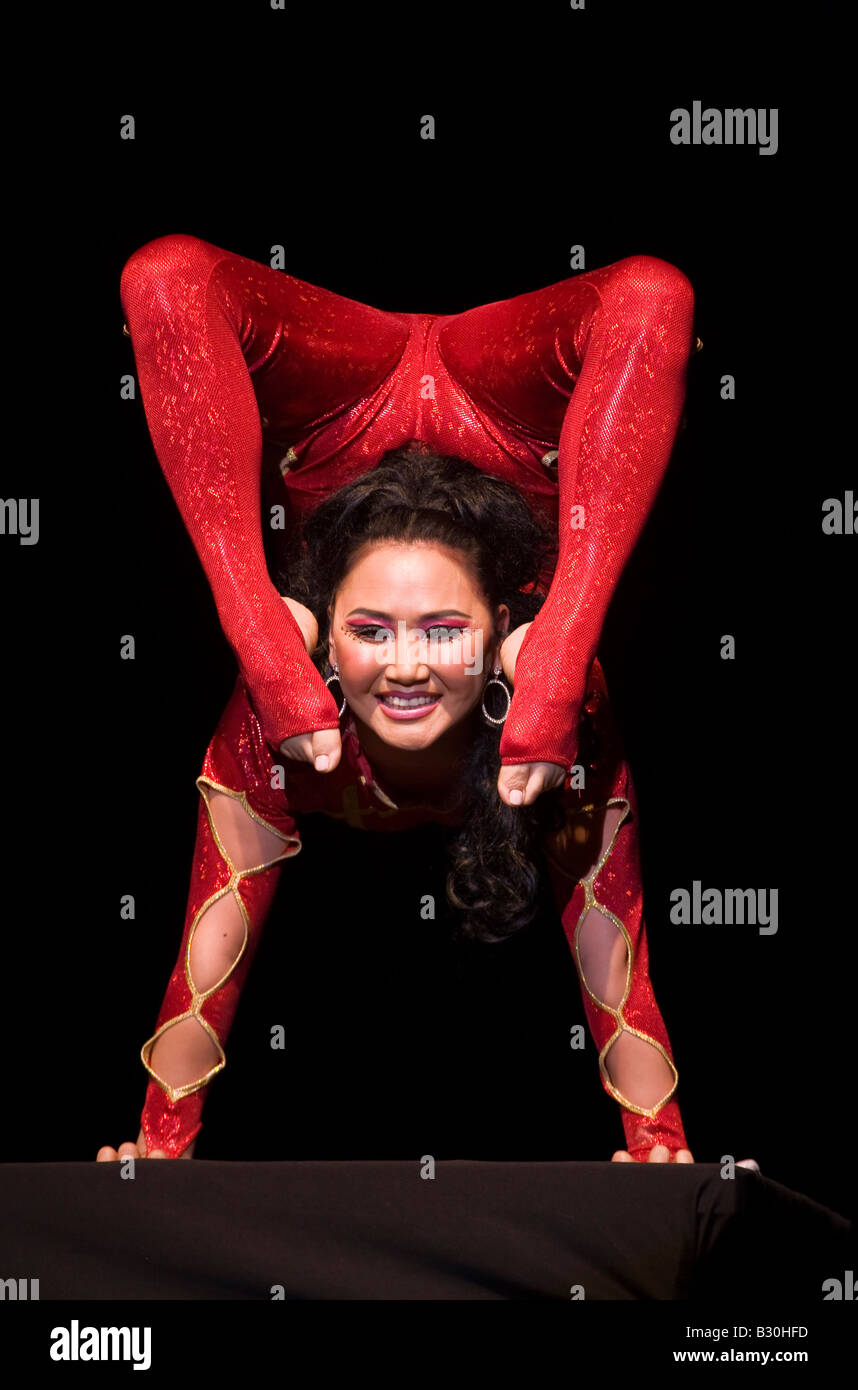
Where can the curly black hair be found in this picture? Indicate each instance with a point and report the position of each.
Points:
(417, 494)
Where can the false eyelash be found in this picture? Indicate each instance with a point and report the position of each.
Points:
(358, 630)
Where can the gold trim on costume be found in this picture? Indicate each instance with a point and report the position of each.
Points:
(199, 997)
(591, 901)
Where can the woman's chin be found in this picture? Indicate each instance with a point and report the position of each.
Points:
(416, 734)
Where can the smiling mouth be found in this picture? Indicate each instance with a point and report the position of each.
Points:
(407, 701)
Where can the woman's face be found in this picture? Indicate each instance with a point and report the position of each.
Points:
(413, 639)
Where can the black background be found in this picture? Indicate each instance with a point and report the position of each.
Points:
(546, 138)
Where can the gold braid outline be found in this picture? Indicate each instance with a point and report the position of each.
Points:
(590, 901)
(198, 997)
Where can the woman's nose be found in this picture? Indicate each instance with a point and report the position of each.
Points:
(407, 658)
(408, 669)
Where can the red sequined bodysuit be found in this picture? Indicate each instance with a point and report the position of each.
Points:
(573, 393)
(249, 825)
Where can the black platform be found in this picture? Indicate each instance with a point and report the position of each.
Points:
(378, 1230)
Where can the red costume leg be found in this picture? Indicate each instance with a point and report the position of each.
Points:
(594, 863)
(218, 339)
(620, 336)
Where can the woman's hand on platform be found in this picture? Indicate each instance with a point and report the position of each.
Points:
(138, 1150)
(659, 1153)
(526, 780)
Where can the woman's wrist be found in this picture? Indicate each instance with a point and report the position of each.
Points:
(171, 1126)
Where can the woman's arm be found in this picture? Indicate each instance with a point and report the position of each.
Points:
(594, 863)
(245, 833)
(236, 868)
(595, 869)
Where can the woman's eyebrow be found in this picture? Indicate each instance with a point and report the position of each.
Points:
(385, 617)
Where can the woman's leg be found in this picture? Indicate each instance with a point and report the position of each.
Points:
(220, 340)
(597, 363)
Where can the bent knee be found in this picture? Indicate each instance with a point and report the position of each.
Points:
(655, 281)
(167, 264)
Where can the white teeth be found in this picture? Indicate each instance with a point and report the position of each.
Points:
(399, 703)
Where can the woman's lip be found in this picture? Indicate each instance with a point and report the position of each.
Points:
(409, 695)
(417, 712)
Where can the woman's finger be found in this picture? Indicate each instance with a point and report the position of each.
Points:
(528, 779)
(544, 777)
(325, 749)
(512, 783)
(622, 1156)
(106, 1154)
(683, 1156)
(308, 748)
(660, 1153)
(299, 748)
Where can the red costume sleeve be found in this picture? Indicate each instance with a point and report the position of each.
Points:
(237, 763)
(599, 897)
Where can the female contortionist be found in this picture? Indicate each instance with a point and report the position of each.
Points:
(405, 584)
(572, 393)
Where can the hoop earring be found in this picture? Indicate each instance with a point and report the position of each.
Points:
(505, 688)
(335, 676)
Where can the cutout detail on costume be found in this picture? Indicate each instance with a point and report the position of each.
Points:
(636, 1068)
(185, 1052)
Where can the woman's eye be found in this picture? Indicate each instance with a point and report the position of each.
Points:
(367, 632)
